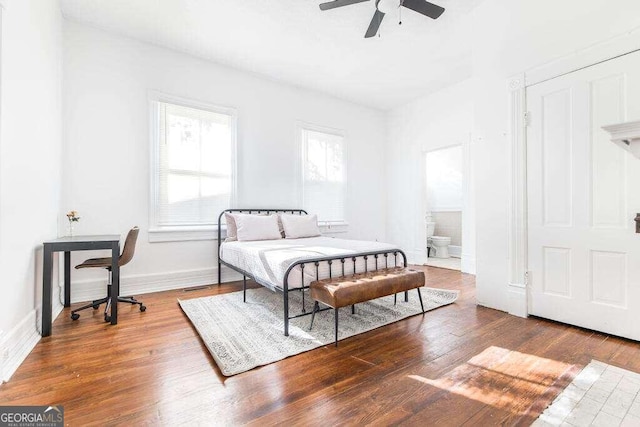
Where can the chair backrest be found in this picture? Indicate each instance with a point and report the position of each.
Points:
(129, 247)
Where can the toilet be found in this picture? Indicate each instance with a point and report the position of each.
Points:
(437, 244)
(441, 246)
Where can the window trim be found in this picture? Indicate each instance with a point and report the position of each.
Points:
(174, 233)
(326, 227)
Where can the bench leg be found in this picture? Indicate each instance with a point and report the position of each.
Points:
(244, 288)
(353, 309)
(316, 307)
(336, 326)
(406, 297)
(420, 297)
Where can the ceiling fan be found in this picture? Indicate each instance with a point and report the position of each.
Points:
(385, 6)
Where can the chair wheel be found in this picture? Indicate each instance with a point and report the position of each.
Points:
(107, 318)
(95, 306)
(143, 308)
(75, 316)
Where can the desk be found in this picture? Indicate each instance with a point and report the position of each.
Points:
(67, 245)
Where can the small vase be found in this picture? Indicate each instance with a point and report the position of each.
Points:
(70, 228)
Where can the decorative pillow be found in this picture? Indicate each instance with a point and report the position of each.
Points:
(298, 226)
(257, 227)
(232, 228)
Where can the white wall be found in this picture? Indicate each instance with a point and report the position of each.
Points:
(30, 159)
(508, 38)
(439, 120)
(511, 37)
(106, 149)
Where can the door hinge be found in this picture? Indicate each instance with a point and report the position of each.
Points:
(527, 119)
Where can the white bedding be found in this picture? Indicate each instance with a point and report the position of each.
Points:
(268, 260)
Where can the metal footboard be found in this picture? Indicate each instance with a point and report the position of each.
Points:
(345, 261)
(347, 264)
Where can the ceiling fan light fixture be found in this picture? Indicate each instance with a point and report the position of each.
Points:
(387, 6)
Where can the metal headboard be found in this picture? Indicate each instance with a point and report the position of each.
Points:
(247, 211)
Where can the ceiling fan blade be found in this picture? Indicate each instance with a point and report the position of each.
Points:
(338, 3)
(374, 25)
(424, 7)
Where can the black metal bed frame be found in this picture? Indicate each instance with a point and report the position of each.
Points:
(313, 262)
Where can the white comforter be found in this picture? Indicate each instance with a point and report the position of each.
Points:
(268, 260)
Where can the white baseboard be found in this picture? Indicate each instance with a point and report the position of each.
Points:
(518, 300)
(87, 290)
(455, 251)
(18, 343)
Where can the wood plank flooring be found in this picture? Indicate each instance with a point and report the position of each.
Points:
(458, 365)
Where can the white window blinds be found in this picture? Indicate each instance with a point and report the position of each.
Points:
(324, 175)
(194, 165)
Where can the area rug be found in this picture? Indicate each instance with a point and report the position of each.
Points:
(600, 394)
(241, 336)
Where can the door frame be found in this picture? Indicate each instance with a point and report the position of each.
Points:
(465, 195)
(518, 279)
(468, 255)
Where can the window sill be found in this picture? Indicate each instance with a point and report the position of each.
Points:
(184, 234)
(334, 228)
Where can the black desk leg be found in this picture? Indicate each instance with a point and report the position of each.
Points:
(67, 279)
(115, 282)
(46, 291)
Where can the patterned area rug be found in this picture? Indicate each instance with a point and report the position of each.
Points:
(241, 336)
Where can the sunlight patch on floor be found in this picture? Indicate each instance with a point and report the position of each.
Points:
(503, 378)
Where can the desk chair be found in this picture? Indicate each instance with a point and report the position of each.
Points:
(125, 257)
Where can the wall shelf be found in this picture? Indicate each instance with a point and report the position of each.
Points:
(626, 135)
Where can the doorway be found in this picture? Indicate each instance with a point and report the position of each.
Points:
(444, 200)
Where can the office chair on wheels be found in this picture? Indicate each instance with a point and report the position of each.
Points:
(125, 257)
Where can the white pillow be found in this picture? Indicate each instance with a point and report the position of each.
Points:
(298, 226)
(232, 228)
(257, 227)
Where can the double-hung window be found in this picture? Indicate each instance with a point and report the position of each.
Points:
(323, 174)
(193, 168)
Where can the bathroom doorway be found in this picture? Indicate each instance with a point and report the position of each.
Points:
(444, 201)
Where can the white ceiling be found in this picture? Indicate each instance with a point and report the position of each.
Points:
(294, 42)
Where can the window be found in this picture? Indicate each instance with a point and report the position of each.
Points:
(323, 175)
(444, 179)
(193, 166)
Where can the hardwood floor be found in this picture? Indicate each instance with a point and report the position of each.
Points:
(460, 364)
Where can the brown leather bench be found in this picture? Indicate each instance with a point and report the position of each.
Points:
(350, 290)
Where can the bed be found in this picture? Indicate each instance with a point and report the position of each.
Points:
(290, 265)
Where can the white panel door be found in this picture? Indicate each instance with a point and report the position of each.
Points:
(583, 194)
